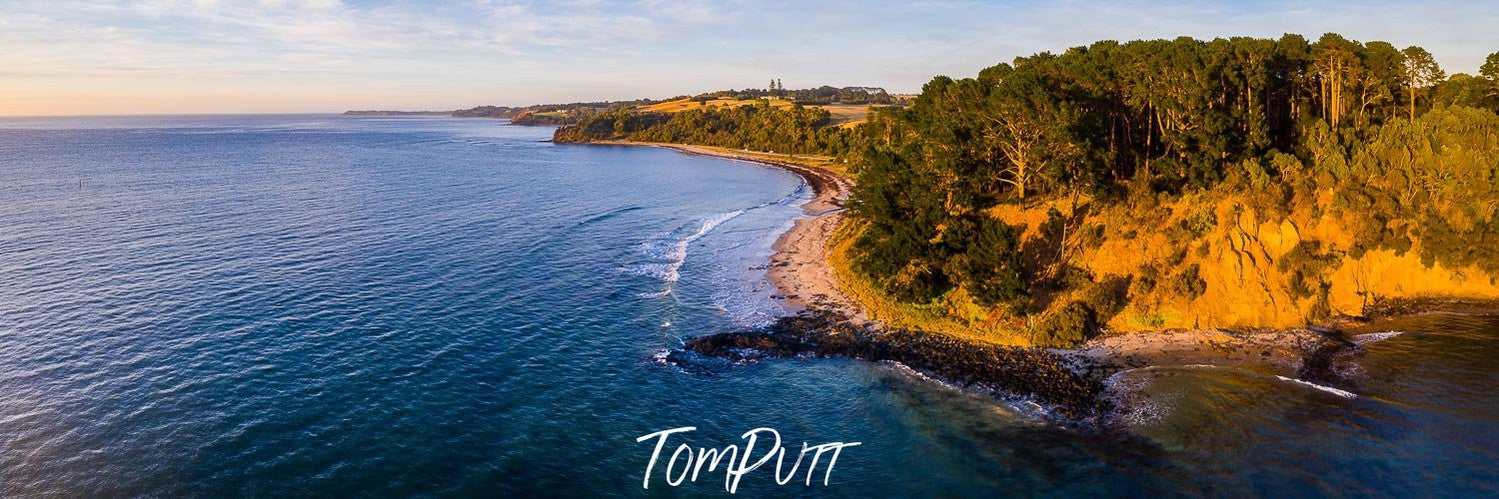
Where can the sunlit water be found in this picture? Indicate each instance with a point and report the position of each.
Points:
(327, 305)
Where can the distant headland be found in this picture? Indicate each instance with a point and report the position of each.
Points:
(847, 103)
(398, 113)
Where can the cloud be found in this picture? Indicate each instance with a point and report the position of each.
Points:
(517, 26)
(468, 52)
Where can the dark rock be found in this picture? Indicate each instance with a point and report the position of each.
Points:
(1030, 373)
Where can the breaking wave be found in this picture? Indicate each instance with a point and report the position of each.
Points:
(1341, 393)
(1365, 339)
(674, 252)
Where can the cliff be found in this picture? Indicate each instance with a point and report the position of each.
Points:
(1209, 260)
(1214, 260)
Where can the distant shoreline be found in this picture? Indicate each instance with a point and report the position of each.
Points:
(397, 113)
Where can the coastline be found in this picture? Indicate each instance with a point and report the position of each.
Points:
(1075, 381)
(799, 266)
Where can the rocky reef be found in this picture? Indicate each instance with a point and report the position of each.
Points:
(1029, 373)
(1072, 384)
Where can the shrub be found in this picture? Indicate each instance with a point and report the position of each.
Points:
(1306, 264)
(1188, 283)
(1108, 297)
(994, 271)
(1073, 324)
(1145, 280)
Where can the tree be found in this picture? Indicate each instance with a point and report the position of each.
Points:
(1154, 117)
(1027, 128)
(1382, 78)
(1490, 72)
(993, 269)
(1490, 68)
(1421, 71)
(1337, 65)
(1468, 91)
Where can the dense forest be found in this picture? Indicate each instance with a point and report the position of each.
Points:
(807, 96)
(545, 114)
(1405, 150)
(757, 126)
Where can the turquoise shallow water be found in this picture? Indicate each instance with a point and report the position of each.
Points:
(328, 305)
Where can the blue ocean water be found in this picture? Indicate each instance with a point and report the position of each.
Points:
(331, 305)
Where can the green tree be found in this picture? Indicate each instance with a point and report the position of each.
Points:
(1490, 68)
(1337, 65)
(1421, 72)
(1018, 130)
(1382, 79)
(993, 268)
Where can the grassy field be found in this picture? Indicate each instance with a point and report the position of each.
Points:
(842, 114)
(847, 115)
(821, 162)
(679, 105)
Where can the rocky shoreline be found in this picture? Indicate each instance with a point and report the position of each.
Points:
(1025, 373)
(1071, 384)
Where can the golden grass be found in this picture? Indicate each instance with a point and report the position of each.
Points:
(679, 105)
(847, 115)
(818, 162)
(843, 115)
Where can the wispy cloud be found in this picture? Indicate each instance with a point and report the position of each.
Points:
(409, 53)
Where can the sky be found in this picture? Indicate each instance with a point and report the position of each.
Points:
(62, 57)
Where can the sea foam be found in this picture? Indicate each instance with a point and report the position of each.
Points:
(1341, 393)
(1365, 339)
(675, 253)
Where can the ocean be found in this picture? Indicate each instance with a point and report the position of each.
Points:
(327, 305)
